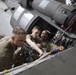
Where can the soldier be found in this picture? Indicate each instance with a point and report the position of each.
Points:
(47, 45)
(8, 45)
(33, 39)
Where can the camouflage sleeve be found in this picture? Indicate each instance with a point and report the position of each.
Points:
(17, 59)
(53, 46)
(17, 52)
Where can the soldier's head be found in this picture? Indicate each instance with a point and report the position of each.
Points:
(36, 31)
(18, 36)
(44, 34)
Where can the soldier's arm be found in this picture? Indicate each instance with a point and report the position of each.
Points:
(33, 45)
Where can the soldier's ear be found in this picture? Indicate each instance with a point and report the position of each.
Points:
(13, 38)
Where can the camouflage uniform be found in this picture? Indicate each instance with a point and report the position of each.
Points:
(47, 46)
(6, 53)
(17, 58)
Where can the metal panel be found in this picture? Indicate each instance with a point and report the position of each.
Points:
(62, 64)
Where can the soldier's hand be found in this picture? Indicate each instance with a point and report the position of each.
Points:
(61, 48)
(41, 53)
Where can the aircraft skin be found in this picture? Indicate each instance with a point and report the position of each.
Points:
(62, 63)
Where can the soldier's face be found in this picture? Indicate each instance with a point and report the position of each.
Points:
(35, 33)
(19, 40)
(44, 35)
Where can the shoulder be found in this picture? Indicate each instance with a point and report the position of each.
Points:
(28, 36)
(4, 44)
(4, 41)
(6, 38)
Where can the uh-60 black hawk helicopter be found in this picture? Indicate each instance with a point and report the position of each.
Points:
(50, 15)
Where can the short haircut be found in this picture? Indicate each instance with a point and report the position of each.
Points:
(18, 30)
(37, 27)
